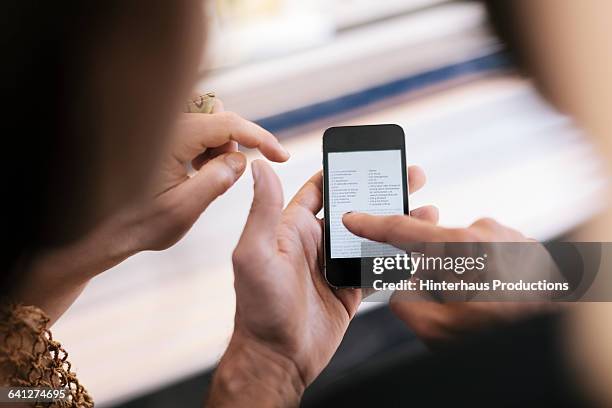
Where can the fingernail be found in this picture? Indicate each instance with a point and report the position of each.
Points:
(285, 151)
(346, 213)
(236, 161)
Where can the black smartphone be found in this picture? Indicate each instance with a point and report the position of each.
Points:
(364, 170)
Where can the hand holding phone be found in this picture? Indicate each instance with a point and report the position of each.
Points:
(364, 170)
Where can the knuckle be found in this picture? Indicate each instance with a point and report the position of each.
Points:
(393, 230)
(489, 229)
(395, 223)
(249, 256)
(464, 235)
(427, 213)
(225, 180)
(239, 257)
(221, 177)
(231, 119)
(517, 235)
(487, 222)
(395, 219)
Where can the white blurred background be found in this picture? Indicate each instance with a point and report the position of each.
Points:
(489, 145)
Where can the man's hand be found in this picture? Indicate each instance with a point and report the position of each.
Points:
(435, 322)
(289, 321)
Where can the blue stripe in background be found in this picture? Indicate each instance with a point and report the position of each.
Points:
(286, 120)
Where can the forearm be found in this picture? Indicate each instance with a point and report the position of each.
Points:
(250, 375)
(53, 279)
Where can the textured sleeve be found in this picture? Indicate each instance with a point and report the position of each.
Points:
(30, 357)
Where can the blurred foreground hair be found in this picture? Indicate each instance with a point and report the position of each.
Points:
(47, 128)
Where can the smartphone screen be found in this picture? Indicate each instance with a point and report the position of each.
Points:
(364, 171)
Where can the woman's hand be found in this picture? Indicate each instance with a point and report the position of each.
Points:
(207, 142)
(436, 321)
(289, 321)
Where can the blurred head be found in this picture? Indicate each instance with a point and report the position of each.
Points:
(93, 89)
(565, 46)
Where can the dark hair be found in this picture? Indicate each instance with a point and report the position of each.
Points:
(505, 23)
(49, 138)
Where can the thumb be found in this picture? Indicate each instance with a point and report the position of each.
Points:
(259, 235)
(212, 180)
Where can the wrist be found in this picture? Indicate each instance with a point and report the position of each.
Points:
(104, 247)
(251, 374)
(52, 279)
